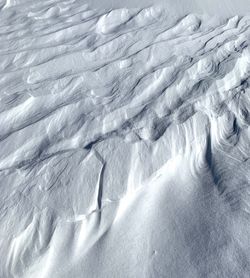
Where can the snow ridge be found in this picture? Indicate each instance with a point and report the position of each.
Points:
(124, 142)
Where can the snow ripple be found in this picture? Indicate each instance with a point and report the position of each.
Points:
(126, 129)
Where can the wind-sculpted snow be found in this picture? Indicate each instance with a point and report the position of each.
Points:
(124, 143)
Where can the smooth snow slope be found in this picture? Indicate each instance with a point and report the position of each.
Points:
(124, 142)
(181, 7)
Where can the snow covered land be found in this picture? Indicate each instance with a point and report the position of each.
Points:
(124, 139)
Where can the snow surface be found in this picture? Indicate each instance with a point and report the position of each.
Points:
(124, 139)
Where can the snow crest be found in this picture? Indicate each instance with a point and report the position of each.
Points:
(124, 143)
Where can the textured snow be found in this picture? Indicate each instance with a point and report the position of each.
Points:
(124, 140)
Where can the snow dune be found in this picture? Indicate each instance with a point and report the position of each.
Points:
(124, 140)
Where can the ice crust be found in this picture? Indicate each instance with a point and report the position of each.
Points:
(124, 142)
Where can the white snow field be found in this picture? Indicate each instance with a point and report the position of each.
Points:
(124, 139)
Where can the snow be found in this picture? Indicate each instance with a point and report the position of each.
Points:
(124, 139)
